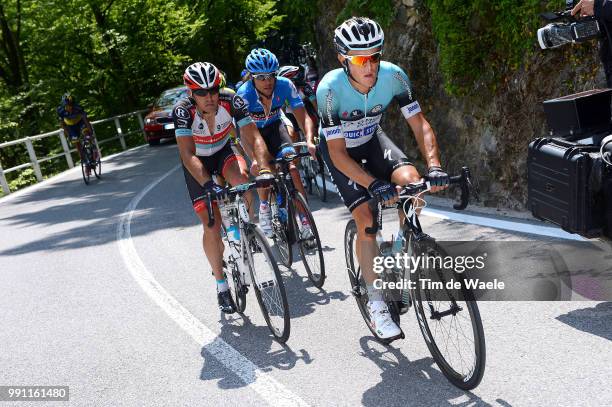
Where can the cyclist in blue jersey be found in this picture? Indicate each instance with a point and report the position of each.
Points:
(265, 95)
(74, 122)
(351, 102)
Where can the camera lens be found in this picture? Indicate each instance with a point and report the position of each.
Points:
(554, 35)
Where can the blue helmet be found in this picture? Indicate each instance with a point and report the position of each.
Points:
(261, 60)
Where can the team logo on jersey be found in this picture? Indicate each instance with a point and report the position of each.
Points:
(181, 122)
(356, 113)
(405, 84)
(201, 126)
(238, 102)
(181, 112)
(376, 109)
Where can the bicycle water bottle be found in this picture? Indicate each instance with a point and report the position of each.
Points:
(282, 212)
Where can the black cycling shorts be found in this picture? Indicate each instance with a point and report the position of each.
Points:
(275, 136)
(383, 157)
(215, 165)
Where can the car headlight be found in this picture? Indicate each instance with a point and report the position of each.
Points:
(149, 120)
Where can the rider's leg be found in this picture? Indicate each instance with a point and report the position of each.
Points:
(366, 243)
(405, 175)
(211, 241)
(235, 172)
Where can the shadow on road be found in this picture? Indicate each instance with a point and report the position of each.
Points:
(595, 320)
(254, 343)
(410, 383)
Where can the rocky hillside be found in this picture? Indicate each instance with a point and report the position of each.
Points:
(488, 129)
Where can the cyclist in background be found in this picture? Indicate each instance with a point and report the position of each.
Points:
(74, 121)
(265, 95)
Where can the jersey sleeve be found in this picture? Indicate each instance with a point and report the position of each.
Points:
(182, 120)
(328, 104)
(403, 93)
(293, 96)
(240, 111)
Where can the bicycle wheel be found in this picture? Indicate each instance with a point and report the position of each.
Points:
(268, 285)
(281, 236)
(97, 168)
(239, 291)
(450, 323)
(309, 242)
(85, 164)
(306, 174)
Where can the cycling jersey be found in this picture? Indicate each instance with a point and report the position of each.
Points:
(284, 91)
(188, 123)
(345, 112)
(71, 118)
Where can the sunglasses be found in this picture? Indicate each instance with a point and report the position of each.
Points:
(265, 76)
(361, 60)
(206, 92)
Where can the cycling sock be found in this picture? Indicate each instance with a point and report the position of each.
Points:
(374, 294)
(222, 285)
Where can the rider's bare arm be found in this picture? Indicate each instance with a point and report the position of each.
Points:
(343, 162)
(426, 139)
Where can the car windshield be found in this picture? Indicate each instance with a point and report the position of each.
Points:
(170, 97)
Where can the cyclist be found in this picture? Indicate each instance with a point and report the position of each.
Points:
(203, 122)
(351, 102)
(74, 121)
(265, 94)
(309, 99)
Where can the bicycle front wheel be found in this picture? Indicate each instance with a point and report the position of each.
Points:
(85, 166)
(309, 242)
(450, 322)
(97, 168)
(281, 235)
(268, 284)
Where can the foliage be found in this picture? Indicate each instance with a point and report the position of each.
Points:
(497, 34)
(382, 11)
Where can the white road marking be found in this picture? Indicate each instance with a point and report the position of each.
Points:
(265, 385)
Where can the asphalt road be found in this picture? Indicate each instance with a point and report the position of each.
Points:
(105, 289)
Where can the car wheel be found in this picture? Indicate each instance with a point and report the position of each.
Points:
(154, 142)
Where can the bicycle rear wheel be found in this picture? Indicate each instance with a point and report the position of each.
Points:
(450, 322)
(268, 285)
(309, 242)
(320, 178)
(97, 168)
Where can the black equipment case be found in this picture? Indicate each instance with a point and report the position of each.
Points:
(561, 188)
(575, 116)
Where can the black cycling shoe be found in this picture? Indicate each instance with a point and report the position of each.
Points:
(226, 302)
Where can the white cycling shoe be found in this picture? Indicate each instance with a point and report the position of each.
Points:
(265, 220)
(382, 323)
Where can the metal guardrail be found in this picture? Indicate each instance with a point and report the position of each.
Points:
(35, 161)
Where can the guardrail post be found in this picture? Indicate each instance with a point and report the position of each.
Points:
(120, 133)
(3, 183)
(66, 149)
(33, 159)
(141, 121)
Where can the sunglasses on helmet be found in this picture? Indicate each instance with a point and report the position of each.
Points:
(265, 76)
(361, 60)
(206, 92)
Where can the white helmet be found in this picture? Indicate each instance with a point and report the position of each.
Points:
(202, 75)
(358, 33)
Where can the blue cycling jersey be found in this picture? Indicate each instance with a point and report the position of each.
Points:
(345, 112)
(284, 91)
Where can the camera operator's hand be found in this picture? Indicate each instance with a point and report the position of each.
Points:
(585, 7)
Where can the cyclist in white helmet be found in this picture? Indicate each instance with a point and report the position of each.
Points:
(351, 102)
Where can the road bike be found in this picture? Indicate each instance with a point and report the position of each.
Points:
(292, 222)
(250, 261)
(449, 319)
(91, 159)
(313, 173)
